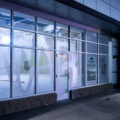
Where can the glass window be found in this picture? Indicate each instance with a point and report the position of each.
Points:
(103, 39)
(91, 69)
(73, 45)
(25, 39)
(73, 69)
(4, 72)
(91, 36)
(62, 44)
(23, 72)
(79, 46)
(45, 71)
(91, 48)
(103, 69)
(45, 41)
(5, 17)
(23, 21)
(76, 33)
(103, 49)
(45, 26)
(4, 36)
(61, 30)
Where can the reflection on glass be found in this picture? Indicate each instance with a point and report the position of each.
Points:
(62, 30)
(4, 72)
(45, 26)
(45, 41)
(62, 44)
(79, 46)
(77, 33)
(91, 69)
(23, 21)
(4, 36)
(25, 39)
(103, 69)
(23, 72)
(91, 37)
(5, 17)
(103, 39)
(73, 45)
(91, 48)
(103, 49)
(45, 71)
(75, 70)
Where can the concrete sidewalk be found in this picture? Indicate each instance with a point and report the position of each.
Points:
(99, 107)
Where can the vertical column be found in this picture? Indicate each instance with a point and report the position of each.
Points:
(11, 55)
(68, 82)
(110, 62)
(118, 66)
(98, 82)
(85, 58)
(35, 50)
(55, 56)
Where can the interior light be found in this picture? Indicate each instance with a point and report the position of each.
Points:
(5, 39)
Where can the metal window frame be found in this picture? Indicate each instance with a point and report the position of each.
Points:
(56, 20)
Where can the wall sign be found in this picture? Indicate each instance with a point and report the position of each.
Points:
(91, 66)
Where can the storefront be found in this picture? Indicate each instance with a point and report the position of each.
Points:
(40, 56)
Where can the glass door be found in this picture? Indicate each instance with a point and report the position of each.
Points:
(62, 76)
(91, 69)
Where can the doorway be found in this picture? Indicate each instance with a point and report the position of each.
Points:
(62, 76)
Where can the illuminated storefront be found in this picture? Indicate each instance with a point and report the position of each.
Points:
(41, 56)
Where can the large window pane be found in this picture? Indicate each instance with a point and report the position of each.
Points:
(91, 48)
(103, 49)
(103, 69)
(4, 36)
(45, 71)
(73, 45)
(5, 17)
(91, 37)
(75, 69)
(4, 72)
(25, 39)
(62, 44)
(91, 69)
(45, 26)
(62, 30)
(23, 21)
(103, 39)
(45, 41)
(23, 72)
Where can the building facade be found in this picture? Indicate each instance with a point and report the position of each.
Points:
(46, 58)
